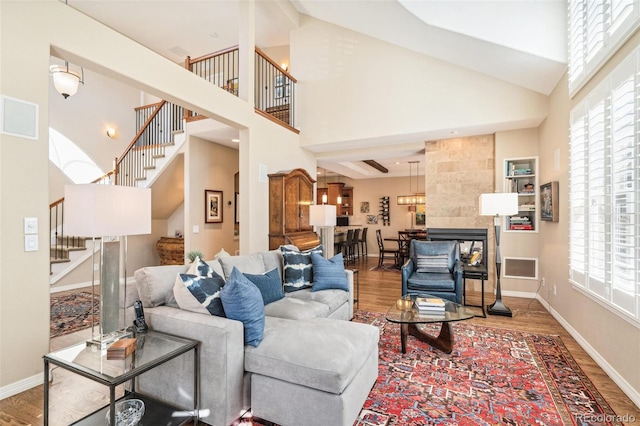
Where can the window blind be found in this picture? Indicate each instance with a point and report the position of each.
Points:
(597, 28)
(604, 166)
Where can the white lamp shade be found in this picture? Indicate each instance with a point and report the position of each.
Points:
(498, 204)
(95, 210)
(322, 215)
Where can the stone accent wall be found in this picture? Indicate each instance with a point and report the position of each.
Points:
(457, 171)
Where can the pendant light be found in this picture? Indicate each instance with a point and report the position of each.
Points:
(65, 80)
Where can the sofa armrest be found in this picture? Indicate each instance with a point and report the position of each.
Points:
(351, 291)
(221, 364)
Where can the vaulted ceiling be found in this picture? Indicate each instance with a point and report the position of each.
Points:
(522, 42)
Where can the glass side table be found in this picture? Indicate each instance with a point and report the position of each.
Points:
(152, 350)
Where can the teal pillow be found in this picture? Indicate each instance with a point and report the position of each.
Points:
(328, 273)
(269, 284)
(242, 301)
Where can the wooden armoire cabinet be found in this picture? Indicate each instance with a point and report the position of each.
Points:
(290, 195)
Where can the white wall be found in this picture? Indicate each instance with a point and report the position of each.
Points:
(351, 86)
(48, 27)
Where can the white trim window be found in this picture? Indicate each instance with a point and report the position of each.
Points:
(597, 28)
(604, 191)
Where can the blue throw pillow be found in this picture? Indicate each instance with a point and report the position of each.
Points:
(328, 273)
(298, 269)
(269, 284)
(206, 291)
(242, 301)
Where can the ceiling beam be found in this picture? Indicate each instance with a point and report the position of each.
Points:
(376, 165)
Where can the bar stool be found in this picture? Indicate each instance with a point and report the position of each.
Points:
(363, 242)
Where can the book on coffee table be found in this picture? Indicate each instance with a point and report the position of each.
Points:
(429, 302)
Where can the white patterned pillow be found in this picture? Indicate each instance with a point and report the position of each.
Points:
(298, 268)
(438, 263)
(199, 289)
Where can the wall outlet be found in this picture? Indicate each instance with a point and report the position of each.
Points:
(542, 282)
(554, 290)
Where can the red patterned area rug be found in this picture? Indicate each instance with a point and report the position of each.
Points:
(72, 312)
(492, 377)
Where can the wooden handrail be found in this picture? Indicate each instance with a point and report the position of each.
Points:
(157, 104)
(190, 61)
(278, 67)
(56, 203)
(140, 132)
(275, 120)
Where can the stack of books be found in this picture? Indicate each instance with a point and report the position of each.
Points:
(429, 305)
(520, 223)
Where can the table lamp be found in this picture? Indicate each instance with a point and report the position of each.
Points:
(496, 205)
(107, 213)
(324, 217)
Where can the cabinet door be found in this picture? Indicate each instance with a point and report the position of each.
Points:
(291, 205)
(305, 196)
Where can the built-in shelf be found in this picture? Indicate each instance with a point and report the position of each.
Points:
(521, 176)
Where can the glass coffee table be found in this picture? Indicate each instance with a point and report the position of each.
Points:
(406, 314)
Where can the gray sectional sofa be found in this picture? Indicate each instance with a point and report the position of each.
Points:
(313, 366)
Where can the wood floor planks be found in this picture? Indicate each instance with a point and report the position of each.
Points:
(72, 396)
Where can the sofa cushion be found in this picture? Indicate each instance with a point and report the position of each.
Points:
(320, 353)
(273, 259)
(328, 273)
(269, 284)
(250, 263)
(331, 298)
(438, 263)
(199, 294)
(155, 284)
(242, 301)
(298, 268)
(297, 309)
(422, 281)
(215, 265)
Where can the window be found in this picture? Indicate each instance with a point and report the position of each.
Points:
(597, 28)
(604, 168)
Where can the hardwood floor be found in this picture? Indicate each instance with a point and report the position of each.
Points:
(73, 396)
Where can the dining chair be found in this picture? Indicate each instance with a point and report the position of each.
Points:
(385, 253)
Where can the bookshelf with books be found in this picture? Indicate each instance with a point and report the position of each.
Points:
(521, 176)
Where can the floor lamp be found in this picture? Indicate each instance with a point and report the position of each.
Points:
(324, 217)
(496, 205)
(109, 213)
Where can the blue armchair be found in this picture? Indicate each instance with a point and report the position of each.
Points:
(434, 268)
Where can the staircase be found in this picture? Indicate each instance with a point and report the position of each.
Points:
(161, 135)
(145, 158)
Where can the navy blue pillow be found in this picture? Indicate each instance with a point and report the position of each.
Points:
(206, 291)
(269, 284)
(242, 301)
(298, 271)
(328, 273)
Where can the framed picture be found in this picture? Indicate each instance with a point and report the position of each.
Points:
(549, 201)
(212, 206)
(364, 207)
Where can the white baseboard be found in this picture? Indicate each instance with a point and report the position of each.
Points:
(130, 281)
(21, 385)
(632, 393)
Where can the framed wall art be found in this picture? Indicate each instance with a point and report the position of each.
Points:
(212, 206)
(549, 201)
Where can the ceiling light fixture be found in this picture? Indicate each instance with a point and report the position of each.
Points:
(413, 198)
(66, 80)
